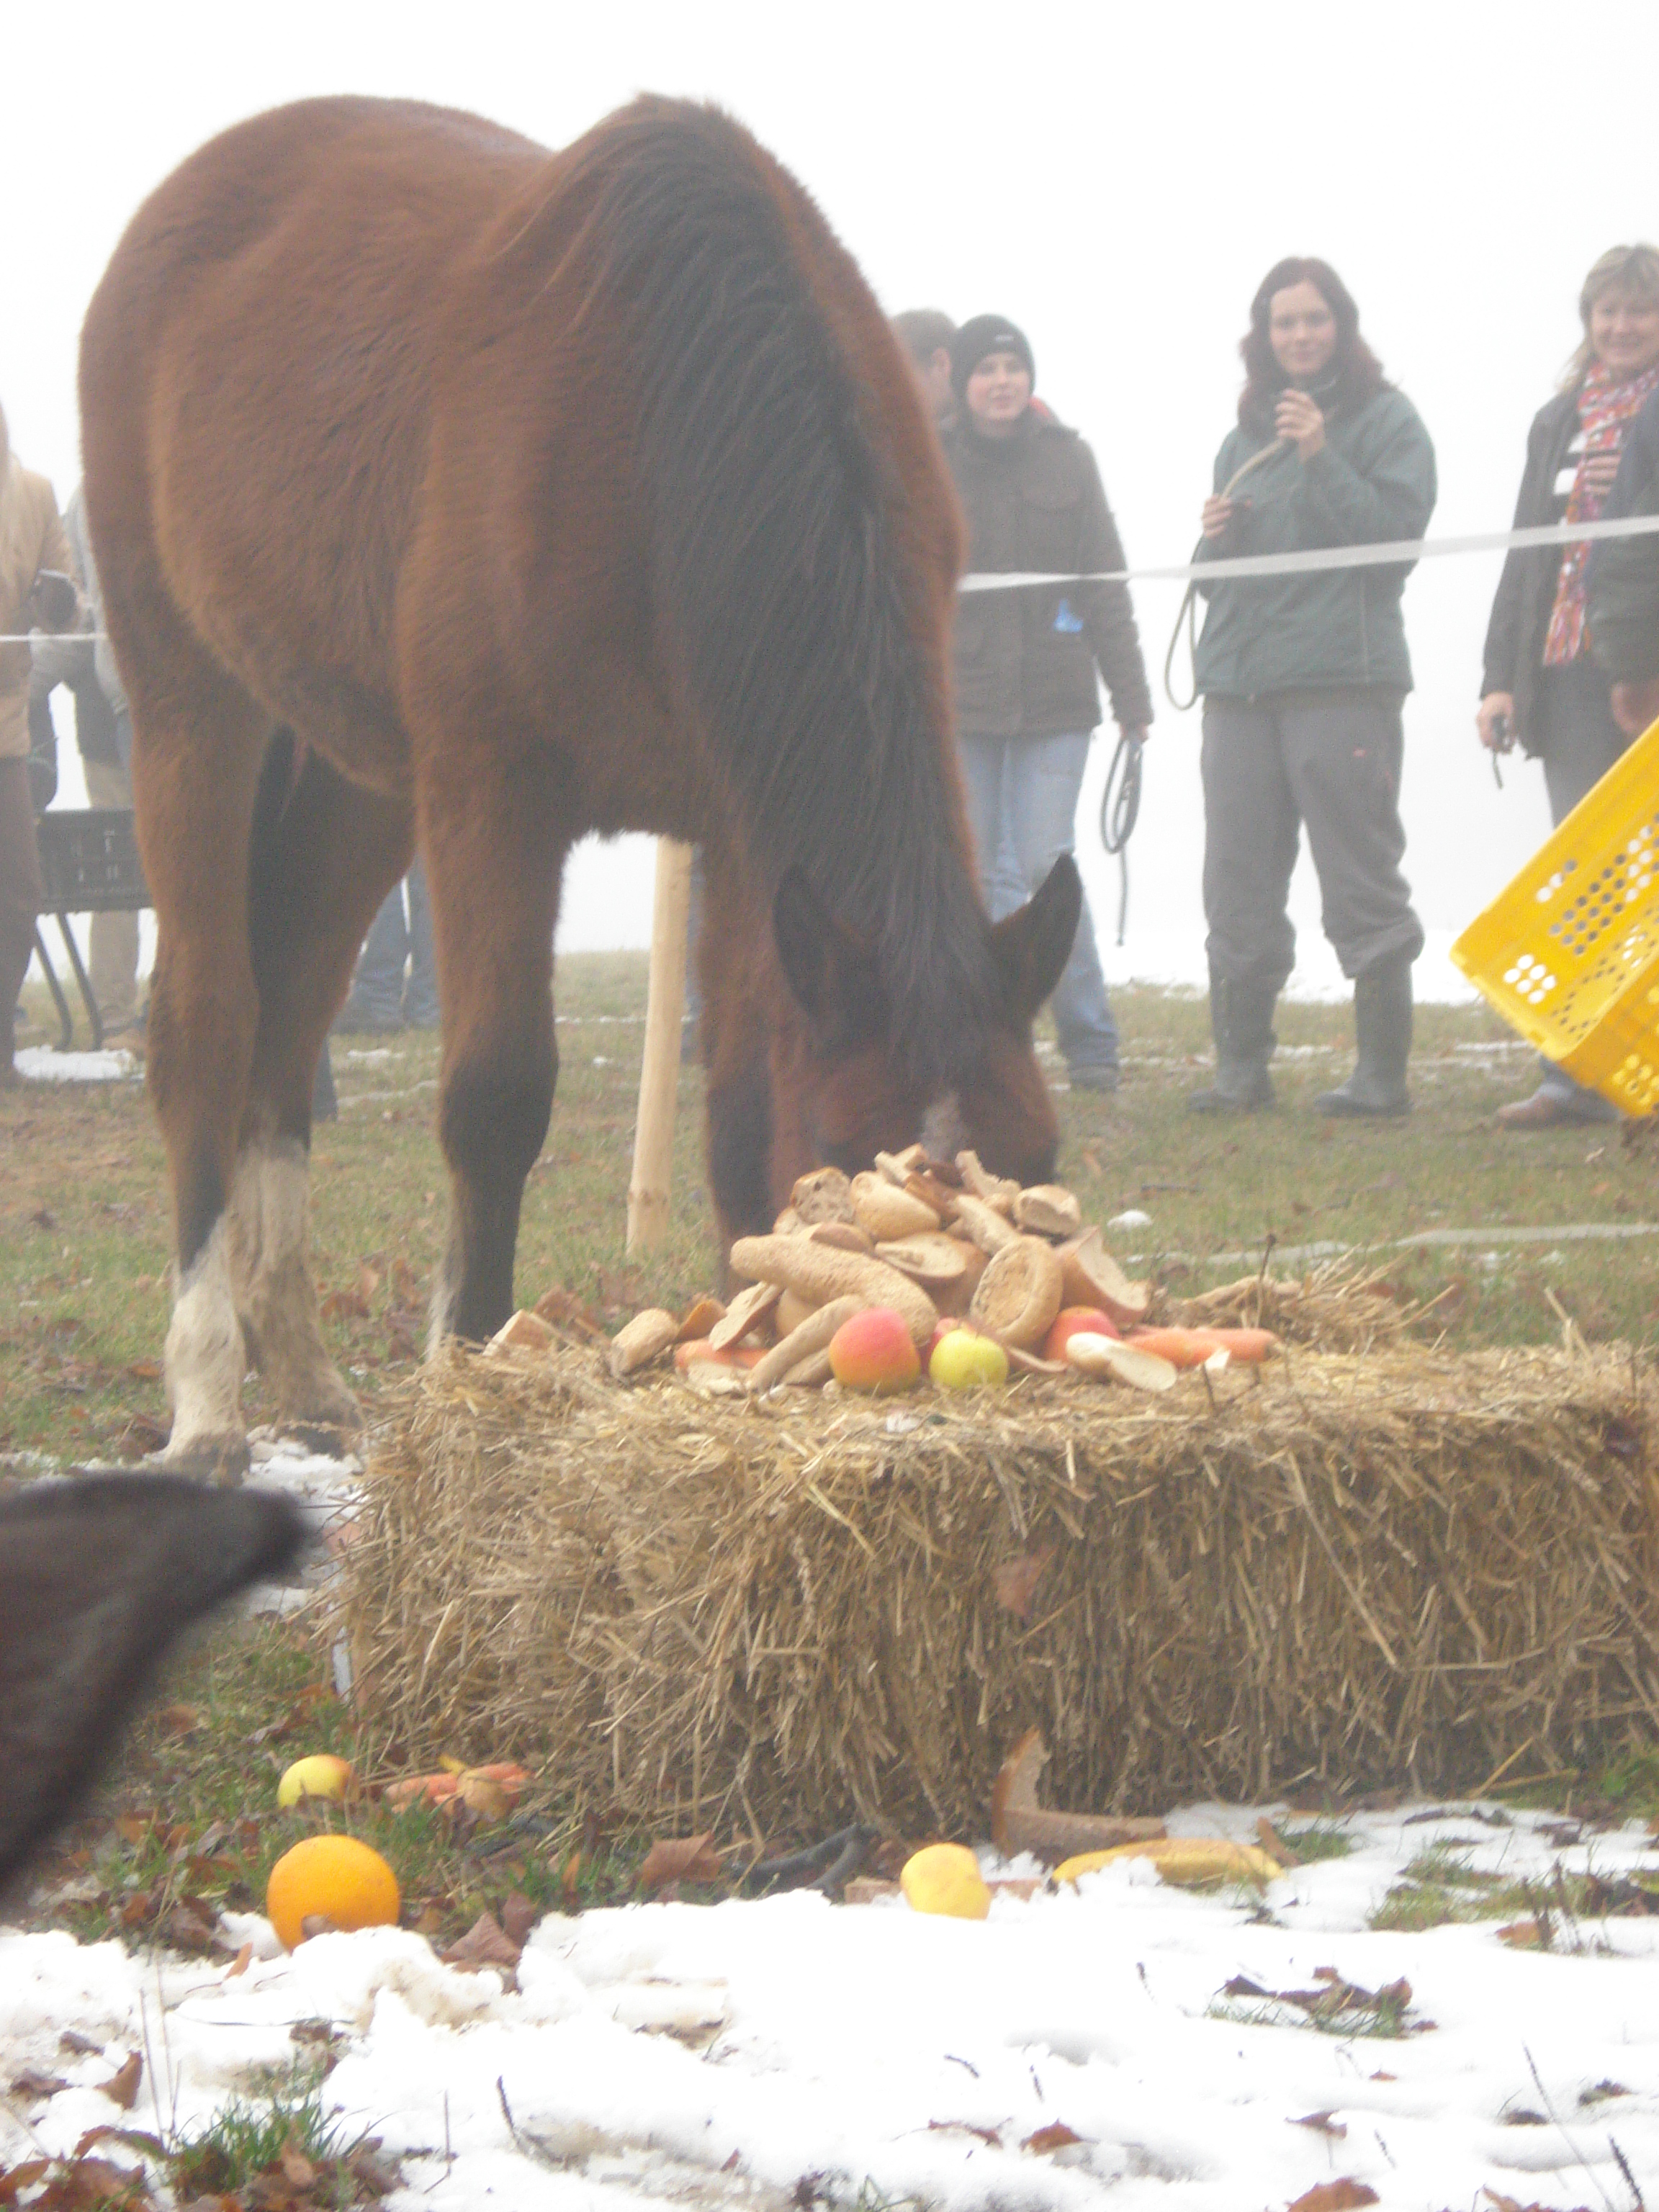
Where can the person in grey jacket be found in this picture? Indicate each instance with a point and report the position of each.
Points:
(1624, 583)
(1542, 686)
(1027, 660)
(1303, 678)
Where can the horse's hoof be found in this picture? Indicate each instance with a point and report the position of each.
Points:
(328, 1439)
(219, 1461)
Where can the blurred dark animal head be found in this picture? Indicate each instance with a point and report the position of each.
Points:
(99, 1575)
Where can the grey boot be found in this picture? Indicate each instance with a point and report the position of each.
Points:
(1242, 1019)
(1383, 1031)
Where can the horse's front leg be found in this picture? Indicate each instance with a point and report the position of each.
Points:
(195, 769)
(325, 853)
(738, 1099)
(494, 848)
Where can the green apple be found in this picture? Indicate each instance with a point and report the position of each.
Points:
(963, 1359)
(322, 1775)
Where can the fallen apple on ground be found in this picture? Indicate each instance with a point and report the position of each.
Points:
(945, 1878)
(321, 1775)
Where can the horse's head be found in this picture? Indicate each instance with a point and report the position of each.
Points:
(859, 1096)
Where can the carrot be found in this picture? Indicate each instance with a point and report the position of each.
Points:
(1191, 1347)
(1181, 1348)
(1248, 1345)
(434, 1788)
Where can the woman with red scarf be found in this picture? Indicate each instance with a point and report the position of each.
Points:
(1542, 688)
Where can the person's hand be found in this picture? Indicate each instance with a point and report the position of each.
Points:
(1137, 733)
(1599, 470)
(1217, 513)
(1297, 420)
(52, 601)
(1636, 705)
(1496, 721)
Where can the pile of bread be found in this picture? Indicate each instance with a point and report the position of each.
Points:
(931, 1239)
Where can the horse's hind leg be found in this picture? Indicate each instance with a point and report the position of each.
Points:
(495, 838)
(325, 853)
(198, 744)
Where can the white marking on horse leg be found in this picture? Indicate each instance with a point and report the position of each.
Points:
(268, 1203)
(204, 1358)
(943, 1132)
(446, 1294)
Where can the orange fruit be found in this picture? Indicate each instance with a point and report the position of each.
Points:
(335, 1876)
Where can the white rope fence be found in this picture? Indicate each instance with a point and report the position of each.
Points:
(1390, 553)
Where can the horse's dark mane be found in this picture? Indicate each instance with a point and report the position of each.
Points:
(794, 629)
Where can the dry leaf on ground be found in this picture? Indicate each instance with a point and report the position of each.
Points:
(682, 1858)
(485, 1944)
(1055, 2136)
(122, 2086)
(1341, 2196)
(1016, 1580)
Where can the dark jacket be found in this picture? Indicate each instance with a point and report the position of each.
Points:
(1513, 658)
(1372, 480)
(1025, 659)
(1624, 572)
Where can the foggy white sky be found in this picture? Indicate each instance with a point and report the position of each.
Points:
(1117, 178)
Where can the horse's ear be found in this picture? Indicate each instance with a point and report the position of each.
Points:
(832, 981)
(1032, 946)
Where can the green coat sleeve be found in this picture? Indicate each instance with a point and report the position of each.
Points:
(1387, 490)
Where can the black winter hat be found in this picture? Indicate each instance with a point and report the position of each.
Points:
(981, 335)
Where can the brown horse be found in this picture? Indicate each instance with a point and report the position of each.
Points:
(533, 494)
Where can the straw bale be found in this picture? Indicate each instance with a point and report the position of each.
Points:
(1352, 1569)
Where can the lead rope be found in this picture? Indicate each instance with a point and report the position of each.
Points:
(1187, 612)
(1120, 810)
(1119, 803)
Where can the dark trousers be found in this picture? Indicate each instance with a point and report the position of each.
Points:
(1579, 741)
(21, 891)
(1577, 733)
(1330, 760)
(378, 992)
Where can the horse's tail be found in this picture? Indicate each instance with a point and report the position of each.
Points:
(801, 628)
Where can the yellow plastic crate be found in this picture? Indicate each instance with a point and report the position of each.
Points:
(1569, 953)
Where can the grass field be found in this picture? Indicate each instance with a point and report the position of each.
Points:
(83, 1215)
(187, 1821)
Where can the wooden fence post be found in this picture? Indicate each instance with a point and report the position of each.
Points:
(651, 1183)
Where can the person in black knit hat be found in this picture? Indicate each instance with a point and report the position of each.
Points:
(1028, 700)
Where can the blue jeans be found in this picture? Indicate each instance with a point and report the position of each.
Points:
(1022, 796)
(378, 991)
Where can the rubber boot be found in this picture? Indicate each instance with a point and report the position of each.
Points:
(1242, 1020)
(1383, 1033)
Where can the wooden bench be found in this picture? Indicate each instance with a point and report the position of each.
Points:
(89, 862)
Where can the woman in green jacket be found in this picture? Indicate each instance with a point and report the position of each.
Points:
(1303, 678)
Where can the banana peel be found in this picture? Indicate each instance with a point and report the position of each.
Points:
(1185, 1859)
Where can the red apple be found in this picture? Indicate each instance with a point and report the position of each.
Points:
(946, 1325)
(1074, 1320)
(872, 1350)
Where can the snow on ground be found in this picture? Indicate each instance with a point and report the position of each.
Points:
(44, 1063)
(718, 2055)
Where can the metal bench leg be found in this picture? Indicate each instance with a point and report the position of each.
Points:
(66, 1019)
(83, 980)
